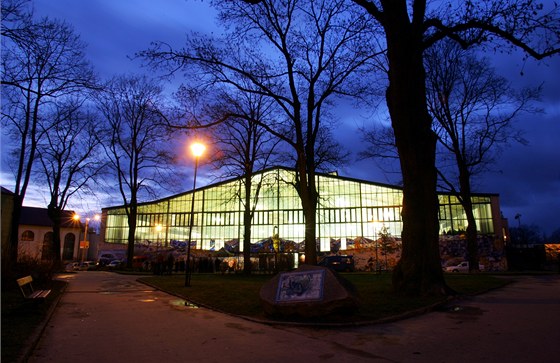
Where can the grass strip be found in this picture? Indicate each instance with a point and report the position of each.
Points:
(238, 294)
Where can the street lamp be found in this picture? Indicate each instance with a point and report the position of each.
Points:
(84, 245)
(197, 150)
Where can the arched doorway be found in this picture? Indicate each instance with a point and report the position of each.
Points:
(46, 253)
(69, 244)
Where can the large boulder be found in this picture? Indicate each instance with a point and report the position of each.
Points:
(308, 292)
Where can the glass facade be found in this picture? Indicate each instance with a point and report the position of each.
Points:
(347, 209)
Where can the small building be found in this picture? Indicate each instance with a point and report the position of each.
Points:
(36, 235)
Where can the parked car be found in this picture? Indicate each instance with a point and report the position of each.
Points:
(339, 263)
(72, 266)
(88, 266)
(105, 258)
(462, 267)
(114, 264)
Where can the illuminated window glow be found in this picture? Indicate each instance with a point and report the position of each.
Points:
(347, 209)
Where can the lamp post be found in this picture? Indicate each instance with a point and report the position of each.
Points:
(84, 252)
(197, 150)
(84, 245)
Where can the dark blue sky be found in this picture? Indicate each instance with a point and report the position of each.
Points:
(526, 177)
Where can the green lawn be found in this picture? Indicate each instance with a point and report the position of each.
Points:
(239, 294)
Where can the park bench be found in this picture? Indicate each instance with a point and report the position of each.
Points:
(28, 291)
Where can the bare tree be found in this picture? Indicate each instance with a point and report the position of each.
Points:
(411, 27)
(299, 54)
(473, 111)
(379, 142)
(68, 158)
(16, 16)
(136, 142)
(41, 61)
(244, 147)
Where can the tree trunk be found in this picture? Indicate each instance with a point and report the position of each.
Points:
(307, 191)
(466, 202)
(309, 213)
(247, 227)
(55, 215)
(10, 258)
(472, 242)
(419, 270)
(131, 232)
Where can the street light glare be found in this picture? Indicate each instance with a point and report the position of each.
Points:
(197, 149)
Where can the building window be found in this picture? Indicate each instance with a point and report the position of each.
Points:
(28, 236)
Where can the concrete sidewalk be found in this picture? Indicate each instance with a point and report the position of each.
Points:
(107, 317)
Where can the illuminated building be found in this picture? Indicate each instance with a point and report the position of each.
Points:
(347, 209)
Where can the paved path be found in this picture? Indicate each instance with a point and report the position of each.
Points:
(107, 317)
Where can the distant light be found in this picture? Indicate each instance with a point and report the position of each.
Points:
(198, 149)
(76, 217)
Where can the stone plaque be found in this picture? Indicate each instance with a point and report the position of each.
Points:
(300, 286)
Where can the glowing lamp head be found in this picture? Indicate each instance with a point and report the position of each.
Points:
(76, 217)
(197, 149)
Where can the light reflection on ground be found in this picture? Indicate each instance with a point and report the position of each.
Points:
(68, 276)
(182, 302)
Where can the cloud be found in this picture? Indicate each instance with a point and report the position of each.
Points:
(529, 177)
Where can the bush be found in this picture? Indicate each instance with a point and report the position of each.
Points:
(42, 272)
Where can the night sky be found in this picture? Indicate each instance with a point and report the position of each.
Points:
(526, 177)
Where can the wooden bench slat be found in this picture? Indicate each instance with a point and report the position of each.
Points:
(25, 284)
(39, 294)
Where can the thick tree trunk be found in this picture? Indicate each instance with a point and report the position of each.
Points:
(55, 214)
(307, 191)
(10, 258)
(310, 234)
(419, 270)
(131, 232)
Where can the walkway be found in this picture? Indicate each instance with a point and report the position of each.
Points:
(107, 317)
